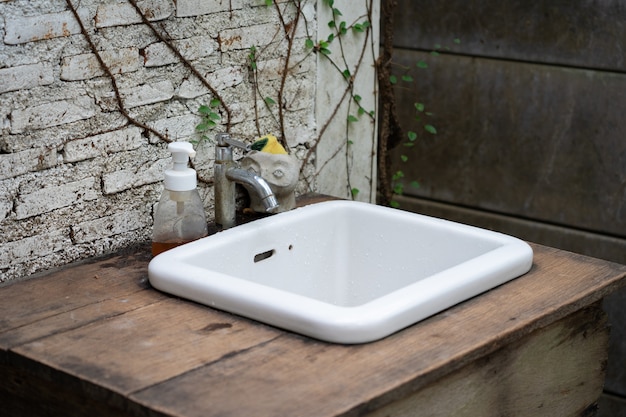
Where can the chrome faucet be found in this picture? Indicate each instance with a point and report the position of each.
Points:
(227, 173)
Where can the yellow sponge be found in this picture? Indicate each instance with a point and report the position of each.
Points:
(268, 143)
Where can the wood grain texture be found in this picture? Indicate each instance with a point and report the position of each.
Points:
(554, 371)
(171, 356)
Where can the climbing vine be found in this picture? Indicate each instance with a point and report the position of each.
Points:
(293, 35)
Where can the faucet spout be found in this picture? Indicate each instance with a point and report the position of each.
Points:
(227, 173)
(254, 183)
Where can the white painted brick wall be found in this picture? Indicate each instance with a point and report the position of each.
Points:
(86, 66)
(50, 198)
(103, 144)
(23, 29)
(118, 14)
(52, 114)
(188, 8)
(24, 77)
(76, 178)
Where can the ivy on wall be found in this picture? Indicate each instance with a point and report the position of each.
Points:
(297, 42)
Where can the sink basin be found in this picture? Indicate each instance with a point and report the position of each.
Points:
(341, 271)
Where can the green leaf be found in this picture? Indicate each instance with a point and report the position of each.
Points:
(325, 51)
(397, 176)
(268, 2)
(215, 102)
(394, 204)
(358, 28)
(202, 127)
(332, 24)
(393, 79)
(430, 129)
(419, 107)
(404, 158)
(361, 111)
(309, 44)
(408, 144)
(407, 78)
(346, 74)
(204, 109)
(411, 135)
(336, 12)
(352, 118)
(365, 24)
(421, 64)
(357, 98)
(398, 189)
(354, 192)
(415, 184)
(269, 100)
(457, 41)
(435, 53)
(214, 116)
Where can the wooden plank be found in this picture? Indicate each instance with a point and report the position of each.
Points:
(554, 371)
(519, 139)
(577, 33)
(69, 289)
(147, 345)
(186, 359)
(321, 379)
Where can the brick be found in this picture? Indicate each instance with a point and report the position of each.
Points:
(245, 37)
(86, 66)
(33, 247)
(52, 114)
(35, 28)
(147, 94)
(51, 198)
(187, 8)
(112, 225)
(6, 202)
(273, 69)
(118, 14)
(103, 144)
(24, 77)
(178, 127)
(14, 164)
(159, 54)
(220, 79)
(125, 179)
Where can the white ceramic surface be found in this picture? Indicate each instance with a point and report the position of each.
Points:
(341, 271)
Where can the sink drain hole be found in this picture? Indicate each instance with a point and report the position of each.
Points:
(264, 255)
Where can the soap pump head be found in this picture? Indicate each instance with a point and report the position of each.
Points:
(180, 177)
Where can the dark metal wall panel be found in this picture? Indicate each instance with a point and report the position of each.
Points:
(585, 33)
(529, 140)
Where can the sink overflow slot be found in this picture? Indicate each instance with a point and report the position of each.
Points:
(263, 255)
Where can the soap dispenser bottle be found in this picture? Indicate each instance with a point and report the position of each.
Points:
(179, 216)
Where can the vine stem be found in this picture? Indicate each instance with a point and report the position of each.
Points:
(335, 111)
(283, 78)
(185, 62)
(390, 131)
(109, 73)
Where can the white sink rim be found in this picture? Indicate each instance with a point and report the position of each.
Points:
(374, 319)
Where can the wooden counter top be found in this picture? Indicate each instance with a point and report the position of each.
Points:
(95, 339)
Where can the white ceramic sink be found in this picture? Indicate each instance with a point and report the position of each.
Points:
(341, 271)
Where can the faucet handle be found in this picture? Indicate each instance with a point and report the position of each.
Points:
(224, 139)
